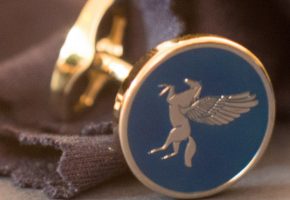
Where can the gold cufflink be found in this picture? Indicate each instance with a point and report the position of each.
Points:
(83, 56)
(194, 115)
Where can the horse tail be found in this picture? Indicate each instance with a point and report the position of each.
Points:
(189, 152)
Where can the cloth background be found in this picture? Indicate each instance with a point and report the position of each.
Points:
(66, 158)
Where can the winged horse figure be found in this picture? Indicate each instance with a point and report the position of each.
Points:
(210, 110)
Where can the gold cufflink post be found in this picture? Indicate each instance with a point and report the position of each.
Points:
(85, 56)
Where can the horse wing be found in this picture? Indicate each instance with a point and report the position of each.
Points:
(220, 110)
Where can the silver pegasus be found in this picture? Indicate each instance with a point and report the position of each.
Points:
(211, 110)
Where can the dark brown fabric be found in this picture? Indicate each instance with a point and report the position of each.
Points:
(39, 151)
(66, 158)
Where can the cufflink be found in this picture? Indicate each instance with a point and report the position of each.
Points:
(194, 115)
(87, 60)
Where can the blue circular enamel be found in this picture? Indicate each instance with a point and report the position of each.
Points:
(198, 120)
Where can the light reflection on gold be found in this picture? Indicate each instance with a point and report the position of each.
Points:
(114, 66)
(78, 44)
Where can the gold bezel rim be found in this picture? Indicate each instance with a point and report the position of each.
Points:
(165, 51)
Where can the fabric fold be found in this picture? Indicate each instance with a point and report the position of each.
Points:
(62, 166)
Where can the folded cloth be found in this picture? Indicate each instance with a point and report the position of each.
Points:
(38, 151)
(66, 158)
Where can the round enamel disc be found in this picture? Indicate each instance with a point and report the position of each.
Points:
(197, 116)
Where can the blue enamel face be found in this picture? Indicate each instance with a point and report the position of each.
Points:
(214, 153)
